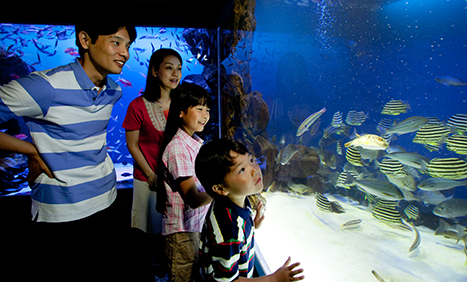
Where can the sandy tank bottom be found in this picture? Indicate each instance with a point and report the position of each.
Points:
(327, 252)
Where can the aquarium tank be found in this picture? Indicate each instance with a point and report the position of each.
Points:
(355, 110)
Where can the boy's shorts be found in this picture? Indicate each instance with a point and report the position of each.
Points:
(182, 253)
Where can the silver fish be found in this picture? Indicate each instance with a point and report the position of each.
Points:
(411, 124)
(287, 153)
(439, 184)
(352, 224)
(384, 190)
(404, 183)
(410, 159)
(451, 208)
(309, 121)
(417, 240)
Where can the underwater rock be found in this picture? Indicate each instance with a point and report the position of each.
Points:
(266, 151)
(255, 114)
(232, 105)
(302, 165)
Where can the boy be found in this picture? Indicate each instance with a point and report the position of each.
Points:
(73, 181)
(229, 174)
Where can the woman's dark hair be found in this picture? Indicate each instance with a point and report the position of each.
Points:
(153, 84)
(185, 96)
(214, 161)
(95, 29)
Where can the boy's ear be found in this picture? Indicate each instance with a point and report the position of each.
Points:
(219, 189)
(84, 39)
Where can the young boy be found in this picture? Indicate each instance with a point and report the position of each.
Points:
(229, 174)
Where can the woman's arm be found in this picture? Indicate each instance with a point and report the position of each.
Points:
(132, 138)
(191, 195)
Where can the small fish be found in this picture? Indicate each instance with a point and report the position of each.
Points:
(309, 121)
(432, 134)
(406, 182)
(451, 208)
(458, 122)
(383, 190)
(395, 107)
(126, 174)
(410, 159)
(439, 184)
(417, 239)
(368, 141)
(352, 155)
(411, 124)
(387, 212)
(356, 118)
(412, 212)
(287, 153)
(450, 168)
(444, 228)
(339, 148)
(450, 81)
(323, 203)
(337, 119)
(352, 224)
(124, 82)
(457, 143)
(378, 277)
(384, 124)
(392, 167)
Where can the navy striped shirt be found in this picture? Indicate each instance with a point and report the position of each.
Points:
(227, 248)
(67, 120)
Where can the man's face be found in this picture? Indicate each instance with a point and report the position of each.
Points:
(109, 53)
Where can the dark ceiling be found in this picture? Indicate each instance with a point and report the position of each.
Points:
(169, 13)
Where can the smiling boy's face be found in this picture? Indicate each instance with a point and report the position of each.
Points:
(244, 179)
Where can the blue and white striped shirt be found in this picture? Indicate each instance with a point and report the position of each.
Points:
(67, 120)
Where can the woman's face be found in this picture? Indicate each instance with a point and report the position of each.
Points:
(169, 72)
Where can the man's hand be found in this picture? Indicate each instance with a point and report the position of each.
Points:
(37, 166)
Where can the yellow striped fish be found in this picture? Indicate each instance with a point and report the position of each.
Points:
(450, 168)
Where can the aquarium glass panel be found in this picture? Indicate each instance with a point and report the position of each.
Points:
(357, 113)
(27, 47)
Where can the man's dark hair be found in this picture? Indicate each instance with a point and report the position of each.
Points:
(96, 29)
(214, 161)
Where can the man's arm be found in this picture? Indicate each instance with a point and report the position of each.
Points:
(35, 163)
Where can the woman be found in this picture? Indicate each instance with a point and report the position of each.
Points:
(144, 129)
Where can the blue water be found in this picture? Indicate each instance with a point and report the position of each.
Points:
(303, 56)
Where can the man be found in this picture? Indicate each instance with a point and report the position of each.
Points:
(72, 177)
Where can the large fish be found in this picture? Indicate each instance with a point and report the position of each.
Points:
(410, 159)
(368, 141)
(408, 125)
(451, 208)
(450, 81)
(384, 190)
(450, 168)
(439, 184)
(309, 121)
